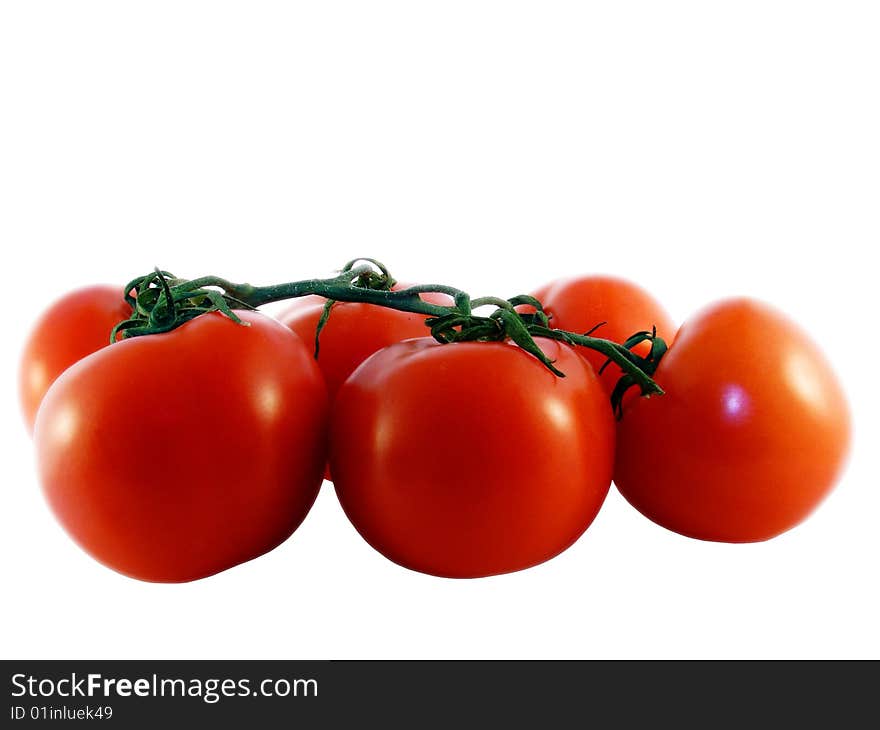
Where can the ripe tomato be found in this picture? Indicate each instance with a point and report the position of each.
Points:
(73, 327)
(353, 333)
(471, 459)
(579, 304)
(750, 436)
(171, 457)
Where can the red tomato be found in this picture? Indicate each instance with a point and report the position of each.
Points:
(750, 436)
(171, 457)
(471, 459)
(73, 327)
(578, 305)
(353, 333)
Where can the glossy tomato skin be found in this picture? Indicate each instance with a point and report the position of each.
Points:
(76, 325)
(471, 459)
(579, 304)
(353, 333)
(171, 457)
(751, 435)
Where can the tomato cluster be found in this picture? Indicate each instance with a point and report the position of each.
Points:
(172, 456)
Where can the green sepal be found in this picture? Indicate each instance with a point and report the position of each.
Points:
(516, 331)
(325, 315)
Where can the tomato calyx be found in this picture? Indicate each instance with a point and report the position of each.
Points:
(647, 364)
(161, 302)
(503, 324)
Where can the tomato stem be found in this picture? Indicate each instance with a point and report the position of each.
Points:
(162, 302)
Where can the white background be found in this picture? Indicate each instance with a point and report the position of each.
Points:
(702, 149)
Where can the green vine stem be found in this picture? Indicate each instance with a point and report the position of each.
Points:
(161, 302)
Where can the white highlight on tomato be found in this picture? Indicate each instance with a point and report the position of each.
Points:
(806, 380)
(269, 400)
(64, 427)
(559, 414)
(735, 402)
